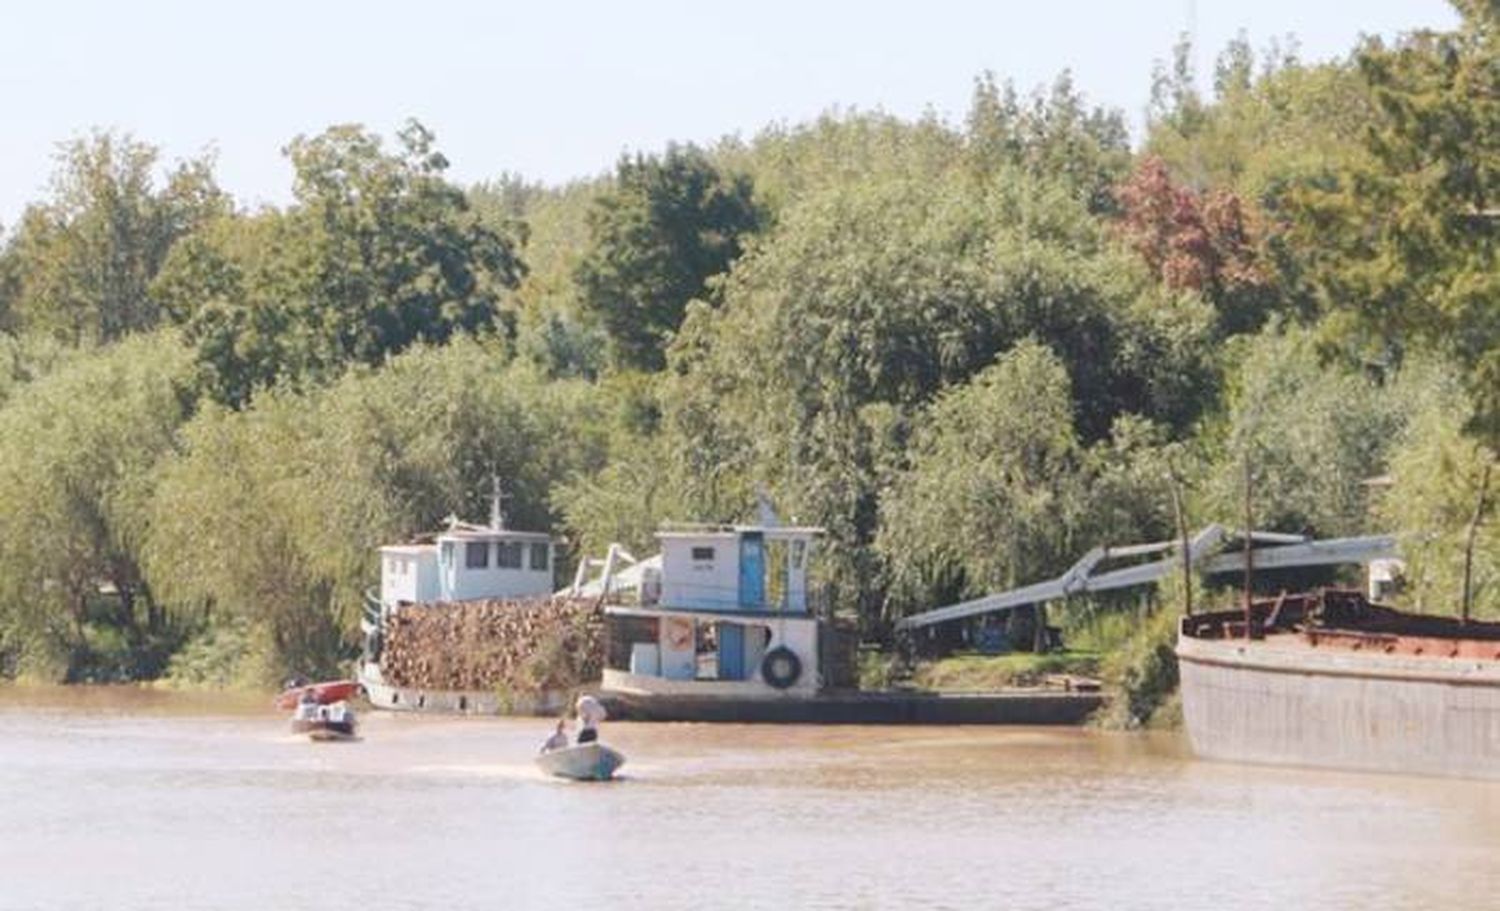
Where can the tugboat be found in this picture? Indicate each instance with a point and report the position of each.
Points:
(720, 624)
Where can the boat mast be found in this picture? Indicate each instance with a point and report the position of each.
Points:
(1249, 552)
(1182, 533)
(497, 496)
(1484, 489)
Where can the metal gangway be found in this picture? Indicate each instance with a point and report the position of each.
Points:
(1269, 550)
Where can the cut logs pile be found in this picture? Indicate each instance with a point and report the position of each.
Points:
(523, 646)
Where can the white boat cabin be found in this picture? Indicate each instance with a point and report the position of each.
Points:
(736, 568)
(468, 562)
(723, 611)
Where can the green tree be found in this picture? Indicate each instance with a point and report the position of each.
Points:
(999, 491)
(79, 266)
(1053, 137)
(270, 516)
(1402, 245)
(867, 301)
(667, 226)
(1273, 122)
(1315, 431)
(10, 285)
(841, 148)
(994, 487)
(379, 252)
(244, 290)
(78, 453)
(1437, 471)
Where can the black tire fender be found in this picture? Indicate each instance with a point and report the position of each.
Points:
(781, 667)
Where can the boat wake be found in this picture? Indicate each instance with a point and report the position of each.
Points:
(505, 770)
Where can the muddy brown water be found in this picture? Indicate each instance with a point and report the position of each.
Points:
(118, 799)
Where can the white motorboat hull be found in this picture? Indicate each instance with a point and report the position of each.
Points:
(586, 762)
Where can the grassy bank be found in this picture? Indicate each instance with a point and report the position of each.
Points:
(980, 673)
(1129, 649)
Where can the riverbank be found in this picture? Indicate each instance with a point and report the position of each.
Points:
(150, 698)
(975, 673)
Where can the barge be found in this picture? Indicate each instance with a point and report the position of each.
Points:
(1329, 679)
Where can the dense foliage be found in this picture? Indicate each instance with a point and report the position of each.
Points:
(969, 350)
(665, 227)
(378, 253)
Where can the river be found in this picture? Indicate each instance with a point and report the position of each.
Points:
(116, 800)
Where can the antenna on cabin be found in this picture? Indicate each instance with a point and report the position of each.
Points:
(497, 497)
(764, 509)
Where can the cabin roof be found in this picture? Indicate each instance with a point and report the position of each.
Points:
(494, 534)
(714, 615)
(730, 531)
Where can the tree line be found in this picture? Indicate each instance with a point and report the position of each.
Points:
(970, 350)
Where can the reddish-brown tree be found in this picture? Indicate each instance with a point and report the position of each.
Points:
(1196, 242)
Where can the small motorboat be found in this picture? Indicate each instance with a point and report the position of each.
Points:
(584, 762)
(325, 693)
(324, 722)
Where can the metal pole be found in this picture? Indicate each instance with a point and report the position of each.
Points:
(1484, 488)
(1182, 533)
(1249, 552)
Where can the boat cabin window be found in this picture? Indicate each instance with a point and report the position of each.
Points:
(508, 554)
(477, 554)
(703, 555)
(799, 553)
(391, 565)
(540, 554)
(445, 553)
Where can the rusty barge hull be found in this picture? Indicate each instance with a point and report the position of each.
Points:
(1383, 693)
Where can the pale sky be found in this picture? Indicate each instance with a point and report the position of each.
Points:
(558, 90)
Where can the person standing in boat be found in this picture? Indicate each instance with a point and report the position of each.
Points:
(590, 714)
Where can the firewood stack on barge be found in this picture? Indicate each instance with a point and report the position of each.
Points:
(518, 645)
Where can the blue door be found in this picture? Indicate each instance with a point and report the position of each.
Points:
(731, 651)
(752, 571)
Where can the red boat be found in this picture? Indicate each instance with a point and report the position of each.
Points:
(325, 693)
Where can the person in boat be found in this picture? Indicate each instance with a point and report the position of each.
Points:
(590, 714)
(559, 738)
(307, 706)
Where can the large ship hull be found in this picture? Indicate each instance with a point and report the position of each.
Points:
(1371, 700)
